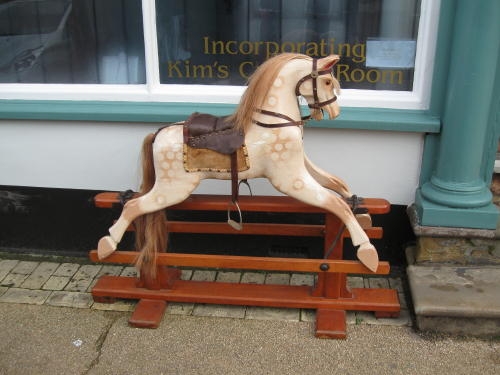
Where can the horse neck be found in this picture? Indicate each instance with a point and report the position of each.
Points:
(280, 100)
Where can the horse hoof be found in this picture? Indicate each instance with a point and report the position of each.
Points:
(368, 256)
(364, 220)
(105, 247)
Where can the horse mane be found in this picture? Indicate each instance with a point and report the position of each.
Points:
(259, 85)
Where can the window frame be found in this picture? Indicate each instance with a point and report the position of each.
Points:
(228, 96)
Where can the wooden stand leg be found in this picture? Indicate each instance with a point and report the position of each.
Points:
(148, 313)
(331, 324)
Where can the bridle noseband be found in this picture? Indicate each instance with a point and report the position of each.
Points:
(315, 73)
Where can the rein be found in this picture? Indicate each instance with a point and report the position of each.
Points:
(315, 73)
(291, 122)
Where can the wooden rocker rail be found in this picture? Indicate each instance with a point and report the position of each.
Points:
(330, 295)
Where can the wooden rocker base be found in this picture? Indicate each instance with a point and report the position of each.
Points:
(330, 319)
(330, 296)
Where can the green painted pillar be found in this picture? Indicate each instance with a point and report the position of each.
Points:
(457, 194)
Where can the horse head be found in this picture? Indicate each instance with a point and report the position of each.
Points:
(320, 88)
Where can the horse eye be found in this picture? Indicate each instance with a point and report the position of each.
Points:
(328, 82)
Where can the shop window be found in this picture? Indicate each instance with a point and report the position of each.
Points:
(64, 41)
(222, 41)
(204, 50)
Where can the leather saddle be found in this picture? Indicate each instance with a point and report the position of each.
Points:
(202, 130)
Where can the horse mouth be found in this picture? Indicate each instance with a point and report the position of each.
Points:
(333, 112)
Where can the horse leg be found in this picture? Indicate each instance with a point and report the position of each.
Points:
(327, 180)
(336, 184)
(162, 195)
(305, 188)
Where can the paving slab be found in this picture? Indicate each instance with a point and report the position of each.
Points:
(176, 308)
(253, 278)
(67, 269)
(18, 295)
(272, 313)
(56, 282)
(186, 274)
(204, 275)
(129, 271)
(356, 282)
(6, 266)
(396, 283)
(470, 292)
(365, 317)
(278, 279)
(118, 305)
(220, 311)
(378, 282)
(24, 267)
(70, 299)
(302, 279)
(14, 279)
(83, 278)
(228, 277)
(40, 275)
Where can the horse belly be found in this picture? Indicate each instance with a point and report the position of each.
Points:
(168, 152)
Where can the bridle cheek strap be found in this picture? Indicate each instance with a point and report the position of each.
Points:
(314, 77)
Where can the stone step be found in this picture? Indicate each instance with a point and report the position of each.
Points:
(456, 299)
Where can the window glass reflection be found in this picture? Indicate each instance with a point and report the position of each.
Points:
(222, 41)
(71, 41)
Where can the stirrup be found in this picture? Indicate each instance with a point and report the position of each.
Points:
(231, 222)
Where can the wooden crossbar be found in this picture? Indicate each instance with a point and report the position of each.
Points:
(207, 202)
(280, 204)
(267, 229)
(248, 263)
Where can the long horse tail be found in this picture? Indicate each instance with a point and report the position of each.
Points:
(150, 228)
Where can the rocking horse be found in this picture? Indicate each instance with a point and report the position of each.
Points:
(266, 132)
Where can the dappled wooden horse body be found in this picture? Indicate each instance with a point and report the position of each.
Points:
(270, 118)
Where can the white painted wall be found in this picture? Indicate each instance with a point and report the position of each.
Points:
(105, 156)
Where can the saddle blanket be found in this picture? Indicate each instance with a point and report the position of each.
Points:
(206, 160)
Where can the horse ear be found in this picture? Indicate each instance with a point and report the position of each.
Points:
(328, 62)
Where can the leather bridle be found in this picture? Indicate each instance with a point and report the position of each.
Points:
(315, 73)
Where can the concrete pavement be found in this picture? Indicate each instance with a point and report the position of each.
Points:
(50, 325)
(41, 339)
